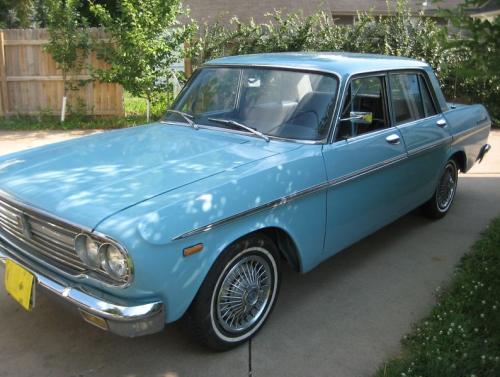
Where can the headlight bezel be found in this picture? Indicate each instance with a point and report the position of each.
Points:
(98, 266)
(105, 259)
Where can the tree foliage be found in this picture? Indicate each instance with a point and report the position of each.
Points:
(466, 63)
(16, 13)
(69, 39)
(474, 55)
(145, 39)
(403, 34)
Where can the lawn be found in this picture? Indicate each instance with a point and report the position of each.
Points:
(135, 114)
(461, 336)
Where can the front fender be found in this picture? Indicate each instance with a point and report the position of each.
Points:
(149, 230)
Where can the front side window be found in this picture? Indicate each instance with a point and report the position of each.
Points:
(282, 103)
(364, 109)
(410, 98)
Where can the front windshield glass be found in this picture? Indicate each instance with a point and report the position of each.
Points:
(281, 103)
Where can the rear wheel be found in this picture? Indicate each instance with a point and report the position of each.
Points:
(440, 203)
(238, 293)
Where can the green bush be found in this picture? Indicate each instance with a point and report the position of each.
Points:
(474, 54)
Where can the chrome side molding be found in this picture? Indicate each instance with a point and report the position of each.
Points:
(296, 195)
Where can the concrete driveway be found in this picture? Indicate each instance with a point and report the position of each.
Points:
(343, 319)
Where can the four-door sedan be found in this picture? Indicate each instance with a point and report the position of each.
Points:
(263, 159)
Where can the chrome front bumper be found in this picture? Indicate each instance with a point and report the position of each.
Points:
(124, 320)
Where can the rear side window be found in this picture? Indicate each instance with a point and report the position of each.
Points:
(411, 99)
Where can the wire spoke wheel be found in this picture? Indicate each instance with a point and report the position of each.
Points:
(238, 293)
(244, 294)
(447, 187)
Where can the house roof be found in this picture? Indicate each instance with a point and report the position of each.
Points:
(489, 7)
(341, 63)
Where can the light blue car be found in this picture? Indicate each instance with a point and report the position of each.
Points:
(262, 160)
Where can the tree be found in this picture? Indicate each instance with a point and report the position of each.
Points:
(15, 13)
(145, 39)
(474, 47)
(68, 43)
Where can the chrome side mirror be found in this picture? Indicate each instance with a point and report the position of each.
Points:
(359, 117)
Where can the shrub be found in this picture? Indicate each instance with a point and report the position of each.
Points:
(474, 53)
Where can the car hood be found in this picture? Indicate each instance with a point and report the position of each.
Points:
(86, 180)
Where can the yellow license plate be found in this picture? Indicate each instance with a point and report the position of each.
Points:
(19, 284)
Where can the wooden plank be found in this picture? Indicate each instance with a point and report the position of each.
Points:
(119, 106)
(55, 113)
(26, 42)
(188, 67)
(45, 78)
(33, 42)
(3, 81)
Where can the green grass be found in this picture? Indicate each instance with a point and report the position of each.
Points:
(135, 114)
(461, 336)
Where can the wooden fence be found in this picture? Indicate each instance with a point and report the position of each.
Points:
(31, 84)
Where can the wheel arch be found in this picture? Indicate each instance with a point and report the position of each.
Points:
(284, 243)
(460, 159)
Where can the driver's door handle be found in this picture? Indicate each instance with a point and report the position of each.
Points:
(441, 122)
(393, 139)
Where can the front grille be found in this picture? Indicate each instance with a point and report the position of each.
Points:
(40, 236)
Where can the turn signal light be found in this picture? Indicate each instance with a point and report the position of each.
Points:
(192, 250)
(94, 320)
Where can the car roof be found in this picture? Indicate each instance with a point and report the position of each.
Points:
(342, 63)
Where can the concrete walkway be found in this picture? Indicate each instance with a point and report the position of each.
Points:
(342, 319)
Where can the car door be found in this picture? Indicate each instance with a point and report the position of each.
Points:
(364, 164)
(423, 128)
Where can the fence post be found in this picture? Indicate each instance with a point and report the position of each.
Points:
(188, 65)
(4, 103)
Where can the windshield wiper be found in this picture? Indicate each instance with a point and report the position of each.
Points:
(187, 117)
(237, 124)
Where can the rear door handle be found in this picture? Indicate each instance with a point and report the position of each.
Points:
(441, 122)
(393, 139)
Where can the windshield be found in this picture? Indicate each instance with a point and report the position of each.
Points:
(281, 103)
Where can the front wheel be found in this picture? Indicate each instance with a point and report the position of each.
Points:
(440, 203)
(238, 293)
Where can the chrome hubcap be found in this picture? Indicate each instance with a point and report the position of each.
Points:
(244, 294)
(446, 188)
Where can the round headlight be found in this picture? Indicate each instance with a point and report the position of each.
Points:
(88, 250)
(114, 262)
